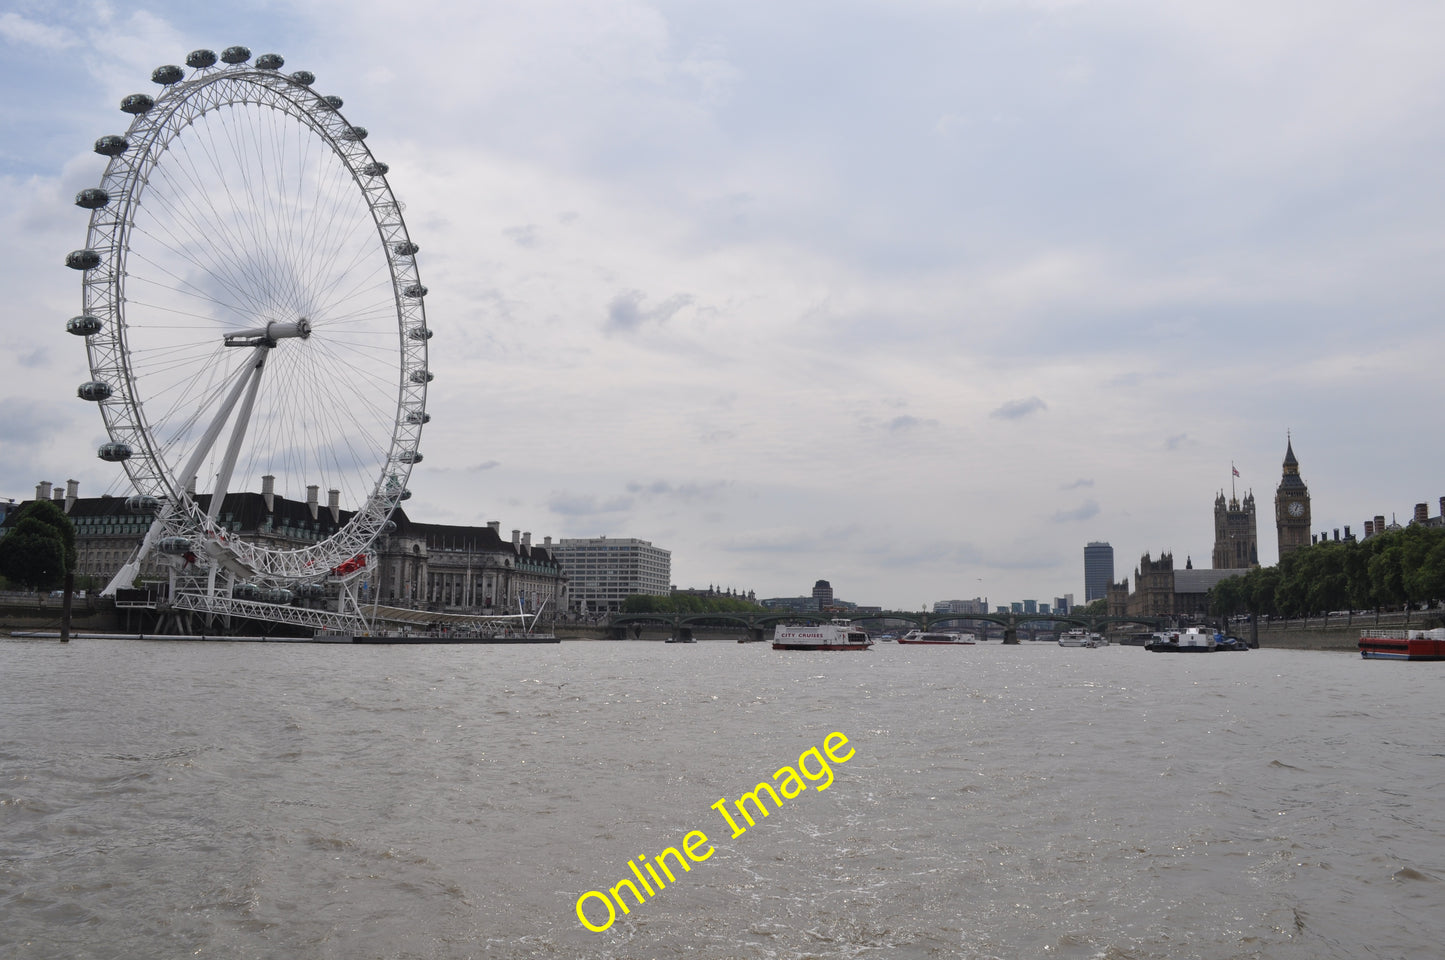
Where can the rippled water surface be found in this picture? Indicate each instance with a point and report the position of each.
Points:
(258, 800)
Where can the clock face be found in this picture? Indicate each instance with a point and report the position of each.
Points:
(1296, 509)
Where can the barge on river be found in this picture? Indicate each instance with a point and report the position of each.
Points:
(1398, 644)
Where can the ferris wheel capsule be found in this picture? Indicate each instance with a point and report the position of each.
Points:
(174, 546)
(111, 146)
(115, 452)
(406, 249)
(200, 59)
(270, 61)
(82, 259)
(83, 326)
(138, 103)
(92, 198)
(235, 55)
(139, 504)
(168, 74)
(94, 390)
(304, 77)
(376, 169)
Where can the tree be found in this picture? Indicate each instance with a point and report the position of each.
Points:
(687, 603)
(1387, 576)
(1263, 584)
(1229, 596)
(38, 548)
(33, 555)
(1426, 581)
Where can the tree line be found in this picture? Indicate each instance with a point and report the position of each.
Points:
(687, 603)
(1386, 570)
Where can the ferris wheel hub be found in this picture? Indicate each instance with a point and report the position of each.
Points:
(268, 335)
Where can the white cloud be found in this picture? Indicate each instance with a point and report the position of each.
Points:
(18, 30)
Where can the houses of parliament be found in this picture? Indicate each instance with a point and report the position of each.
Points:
(1236, 536)
(1161, 590)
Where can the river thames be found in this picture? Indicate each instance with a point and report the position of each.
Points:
(294, 801)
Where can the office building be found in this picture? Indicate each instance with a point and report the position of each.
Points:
(1098, 570)
(602, 572)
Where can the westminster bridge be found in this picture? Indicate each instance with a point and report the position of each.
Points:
(624, 626)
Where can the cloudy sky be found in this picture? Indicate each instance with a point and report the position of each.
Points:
(918, 297)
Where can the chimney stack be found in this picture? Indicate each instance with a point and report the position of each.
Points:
(72, 493)
(312, 491)
(1379, 523)
(333, 503)
(42, 490)
(527, 539)
(1369, 529)
(1422, 512)
(268, 492)
(546, 541)
(516, 538)
(495, 525)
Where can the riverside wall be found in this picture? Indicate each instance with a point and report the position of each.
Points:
(44, 614)
(1338, 633)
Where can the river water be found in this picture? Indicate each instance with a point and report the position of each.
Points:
(166, 799)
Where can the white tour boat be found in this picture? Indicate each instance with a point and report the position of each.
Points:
(837, 635)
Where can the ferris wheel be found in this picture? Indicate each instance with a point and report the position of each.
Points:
(252, 309)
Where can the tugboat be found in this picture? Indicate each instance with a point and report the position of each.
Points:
(836, 635)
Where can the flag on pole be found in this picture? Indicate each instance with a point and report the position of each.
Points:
(1233, 470)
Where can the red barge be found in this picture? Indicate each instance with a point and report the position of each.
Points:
(1402, 644)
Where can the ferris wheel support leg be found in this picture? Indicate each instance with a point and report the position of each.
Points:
(203, 448)
(347, 605)
(238, 434)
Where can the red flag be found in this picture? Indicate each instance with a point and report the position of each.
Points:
(1236, 472)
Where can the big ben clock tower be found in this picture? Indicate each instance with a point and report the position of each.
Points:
(1291, 506)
